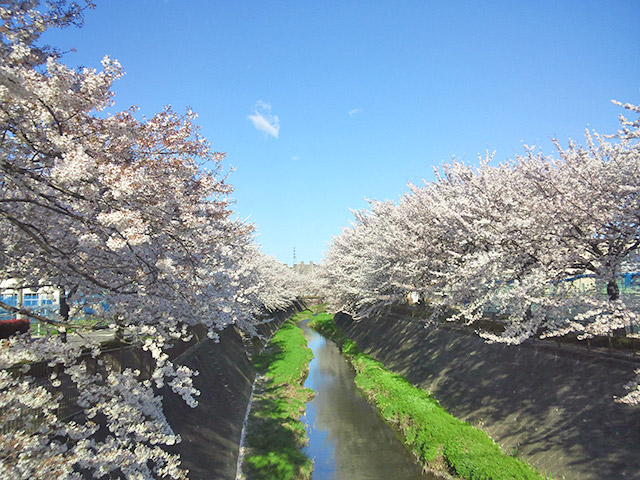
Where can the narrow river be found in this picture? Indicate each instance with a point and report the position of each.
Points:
(347, 438)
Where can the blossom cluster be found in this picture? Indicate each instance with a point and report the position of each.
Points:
(541, 242)
(120, 216)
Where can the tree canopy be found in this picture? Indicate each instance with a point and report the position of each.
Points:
(541, 240)
(128, 219)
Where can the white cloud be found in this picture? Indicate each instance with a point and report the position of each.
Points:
(264, 121)
(295, 158)
(263, 105)
(354, 111)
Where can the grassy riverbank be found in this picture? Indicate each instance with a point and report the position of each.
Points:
(275, 435)
(440, 441)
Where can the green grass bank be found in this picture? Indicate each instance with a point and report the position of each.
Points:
(439, 440)
(275, 434)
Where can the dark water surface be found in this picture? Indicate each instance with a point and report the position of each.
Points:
(347, 438)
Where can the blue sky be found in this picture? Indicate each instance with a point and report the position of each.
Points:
(320, 105)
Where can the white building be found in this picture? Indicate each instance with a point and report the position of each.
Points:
(41, 300)
(303, 269)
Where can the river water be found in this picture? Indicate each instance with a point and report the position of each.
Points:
(347, 438)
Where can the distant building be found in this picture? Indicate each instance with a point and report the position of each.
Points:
(304, 269)
(41, 300)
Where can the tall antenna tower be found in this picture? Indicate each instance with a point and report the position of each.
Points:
(294, 255)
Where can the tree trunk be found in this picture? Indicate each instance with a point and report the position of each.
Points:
(614, 294)
(613, 290)
(64, 311)
(119, 334)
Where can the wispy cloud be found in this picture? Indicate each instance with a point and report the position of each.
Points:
(264, 121)
(354, 111)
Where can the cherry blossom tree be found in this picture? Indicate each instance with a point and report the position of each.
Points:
(122, 217)
(359, 273)
(276, 285)
(542, 241)
(266, 284)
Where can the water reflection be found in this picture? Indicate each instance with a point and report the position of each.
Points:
(347, 438)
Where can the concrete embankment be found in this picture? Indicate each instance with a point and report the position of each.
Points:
(553, 407)
(211, 432)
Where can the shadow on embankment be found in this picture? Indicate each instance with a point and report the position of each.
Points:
(553, 408)
(211, 431)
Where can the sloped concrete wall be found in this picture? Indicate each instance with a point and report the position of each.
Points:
(552, 407)
(211, 431)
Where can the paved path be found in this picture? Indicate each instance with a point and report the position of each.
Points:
(91, 337)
